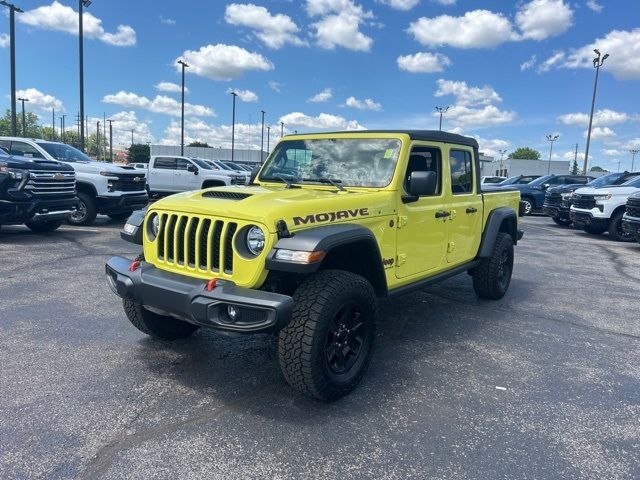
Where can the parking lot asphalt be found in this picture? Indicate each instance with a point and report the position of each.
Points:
(543, 384)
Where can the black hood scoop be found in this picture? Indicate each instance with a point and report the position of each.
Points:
(226, 195)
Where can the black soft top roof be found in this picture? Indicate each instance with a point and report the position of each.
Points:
(426, 135)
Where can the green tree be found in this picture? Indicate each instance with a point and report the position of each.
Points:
(525, 153)
(198, 144)
(574, 168)
(597, 169)
(139, 153)
(31, 123)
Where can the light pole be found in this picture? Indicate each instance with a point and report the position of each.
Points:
(268, 138)
(262, 138)
(12, 30)
(281, 129)
(132, 130)
(53, 124)
(62, 127)
(597, 63)
(442, 111)
(184, 65)
(633, 152)
(81, 4)
(110, 140)
(501, 152)
(233, 125)
(551, 138)
(98, 139)
(24, 122)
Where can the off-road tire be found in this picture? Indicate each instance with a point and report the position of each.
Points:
(528, 210)
(594, 230)
(88, 203)
(304, 345)
(563, 222)
(615, 229)
(44, 227)
(492, 276)
(119, 216)
(159, 326)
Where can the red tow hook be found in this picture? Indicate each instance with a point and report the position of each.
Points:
(211, 284)
(134, 265)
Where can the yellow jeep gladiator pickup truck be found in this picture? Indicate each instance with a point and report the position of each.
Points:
(330, 223)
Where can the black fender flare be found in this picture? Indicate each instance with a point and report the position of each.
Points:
(328, 238)
(86, 187)
(494, 226)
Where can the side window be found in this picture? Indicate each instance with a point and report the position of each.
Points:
(425, 159)
(6, 144)
(555, 181)
(581, 180)
(165, 163)
(24, 150)
(461, 172)
(182, 164)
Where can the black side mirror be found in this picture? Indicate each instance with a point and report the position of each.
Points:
(545, 186)
(192, 168)
(254, 174)
(421, 184)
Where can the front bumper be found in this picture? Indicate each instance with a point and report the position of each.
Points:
(36, 210)
(188, 298)
(556, 211)
(581, 218)
(631, 226)
(121, 203)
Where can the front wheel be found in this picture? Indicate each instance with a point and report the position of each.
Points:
(528, 205)
(616, 231)
(43, 227)
(86, 212)
(326, 348)
(155, 325)
(492, 276)
(563, 222)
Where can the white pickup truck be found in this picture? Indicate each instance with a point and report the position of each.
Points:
(170, 174)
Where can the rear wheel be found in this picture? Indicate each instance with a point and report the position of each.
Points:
(564, 222)
(591, 230)
(86, 212)
(616, 231)
(43, 227)
(492, 276)
(326, 348)
(119, 216)
(155, 325)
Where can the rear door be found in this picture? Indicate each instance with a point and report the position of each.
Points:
(465, 206)
(161, 174)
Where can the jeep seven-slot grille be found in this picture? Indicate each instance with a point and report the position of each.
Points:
(633, 207)
(585, 202)
(202, 243)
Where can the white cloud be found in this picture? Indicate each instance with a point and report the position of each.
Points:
(160, 104)
(366, 104)
(247, 136)
(622, 45)
(166, 20)
(556, 59)
(634, 143)
(170, 87)
(601, 118)
(275, 86)
(600, 133)
(476, 29)
(62, 18)
(593, 5)
(244, 95)
(540, 19)
(491, 147)
(529, 63)
(322, 96)
(273, 30)
(4, 40)
(39, 100)
(423, 62)
(223, 62)
(401, 4)
(466, 95)
(446, 3)
(339, 24)
(123, 123)
(324, 121)
(466, 117)
(612, 152)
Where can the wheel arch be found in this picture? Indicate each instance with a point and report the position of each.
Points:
(86, 187)
(501, 220)
(348, 247)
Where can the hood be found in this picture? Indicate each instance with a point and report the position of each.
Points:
(97, 167)
(28, 163)
(565, 188)
(298, 207)
(611, 189)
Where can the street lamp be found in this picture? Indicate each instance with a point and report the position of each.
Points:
(551, 138)
(262, 138)
(442, 111)
(98, 139)
(110, 140)
(184, 65)
(268, 138)
(597, 63)
(233, 124)
(81, 4)
(281, 129)
(53, 124)
(24, 122)
(12, 31)
(132, 130)
(633, 152)
(501, 152)
(62, 117)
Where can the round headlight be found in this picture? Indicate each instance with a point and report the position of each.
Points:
(255, 240)
(154, 226)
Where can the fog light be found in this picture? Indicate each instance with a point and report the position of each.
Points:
(233, 313)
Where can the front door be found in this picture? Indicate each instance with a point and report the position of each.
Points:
(161, 174)
(465, 207)
(422, 229)
(183, 179)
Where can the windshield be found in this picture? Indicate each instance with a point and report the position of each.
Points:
(358, 162)
(223, 165)
(64, 153)
(201, 163)
(634, 182)
(235, 166)
(611, 179)
(540, 180)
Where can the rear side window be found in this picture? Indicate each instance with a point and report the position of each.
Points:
(25, 150)
(461, 172)
(580, 180)
(165, 163)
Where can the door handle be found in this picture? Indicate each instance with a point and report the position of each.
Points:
(472, 210)
(442, 214)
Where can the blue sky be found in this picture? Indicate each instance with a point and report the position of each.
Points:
(512, 72)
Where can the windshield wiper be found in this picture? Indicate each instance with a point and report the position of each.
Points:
(331, 181)
(288, 181)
